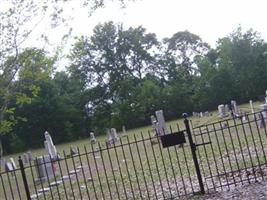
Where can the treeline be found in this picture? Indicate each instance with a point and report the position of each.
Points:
(121, 76)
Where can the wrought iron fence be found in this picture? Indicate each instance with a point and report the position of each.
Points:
(217, 156)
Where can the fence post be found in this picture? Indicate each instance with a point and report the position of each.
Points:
(22, 170)
(193, 151)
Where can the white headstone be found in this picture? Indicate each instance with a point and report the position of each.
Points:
(263, 109)
(9, 167)
(201, 114)
(221, 109)
(49, 145)
(13, 163)
(162, 129)
(266, 96)
(113, 134)
(234, 107)
(25, 158)
(30, 156)
(154, 123)
(251, 106)
(92, 138)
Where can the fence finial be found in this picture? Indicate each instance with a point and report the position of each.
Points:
(185, 115)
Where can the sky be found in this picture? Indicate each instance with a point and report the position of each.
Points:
(210, 19)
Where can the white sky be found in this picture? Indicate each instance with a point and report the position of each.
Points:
(210, 19)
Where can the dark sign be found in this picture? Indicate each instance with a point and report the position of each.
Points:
(173, 139)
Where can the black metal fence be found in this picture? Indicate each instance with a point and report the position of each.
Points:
(218, 156)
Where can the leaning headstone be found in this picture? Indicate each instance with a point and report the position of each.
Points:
(263, 109)
(92, 138)
(266, 96)
(113, 134)
(221, 110)
(8, 167)
(201, 114)
(50, 147)
(162, 129)
(13, 163)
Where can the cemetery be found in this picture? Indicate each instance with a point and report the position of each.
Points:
(104, 166)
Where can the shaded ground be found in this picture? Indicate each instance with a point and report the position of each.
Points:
(253, 191)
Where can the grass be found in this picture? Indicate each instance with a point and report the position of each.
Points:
(144, 170)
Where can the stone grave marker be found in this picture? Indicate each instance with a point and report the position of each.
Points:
(162, 129)
(50, 147)
(92, 138)
(8, 166)
(30, 156)
(221, 109)
(234, 107)
(73, 150)
(263, 109)
(251, 106)
(114, 135)
(266, 96)
(44, 168)
(13, 163)
(226, 108)
(25, 159)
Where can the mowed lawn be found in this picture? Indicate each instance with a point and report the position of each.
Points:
(138, 167)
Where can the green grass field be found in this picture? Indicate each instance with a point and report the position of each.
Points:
(139, 168)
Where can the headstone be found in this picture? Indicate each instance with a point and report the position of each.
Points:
(109, 140)
(162, 129)
(266, 96)
(201, 114)
(154, 123)
(206, 114)
(263, 109)
(73, 151)
(251, 106)
(113, 134)
(8, 167)
(221, 110)
(92, 138)
(226, 108)
(44, 168)
(25, 159)
(13, 163)
(30, 156)
(234, 107)
(50, 147)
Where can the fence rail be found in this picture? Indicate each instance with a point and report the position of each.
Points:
(218, 156)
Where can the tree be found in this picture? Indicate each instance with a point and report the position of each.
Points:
(112, 63)
(18, 20)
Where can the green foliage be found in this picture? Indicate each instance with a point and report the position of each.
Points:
(122, 76)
